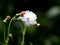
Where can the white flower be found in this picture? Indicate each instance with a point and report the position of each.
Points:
(30, 15)
(29, 18)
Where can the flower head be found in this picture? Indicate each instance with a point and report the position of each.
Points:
(29, 18)
(7, 18)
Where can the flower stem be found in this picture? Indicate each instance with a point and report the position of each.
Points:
(6, 43)
(7, 39)
(9, 26)
(24, 31)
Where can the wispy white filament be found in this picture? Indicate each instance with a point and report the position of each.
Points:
(29, 18)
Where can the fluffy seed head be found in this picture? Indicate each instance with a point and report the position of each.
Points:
(29, 18)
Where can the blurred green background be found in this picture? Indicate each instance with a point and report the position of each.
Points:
(48, 13)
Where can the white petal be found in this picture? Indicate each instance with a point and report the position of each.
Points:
(29, 18)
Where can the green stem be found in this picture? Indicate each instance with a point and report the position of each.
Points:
(10, 23)
(7, 39)
(6, 43)
(4, 36)
(9, 27)
(24, 31)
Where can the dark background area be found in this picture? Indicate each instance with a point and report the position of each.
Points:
(49, 31)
